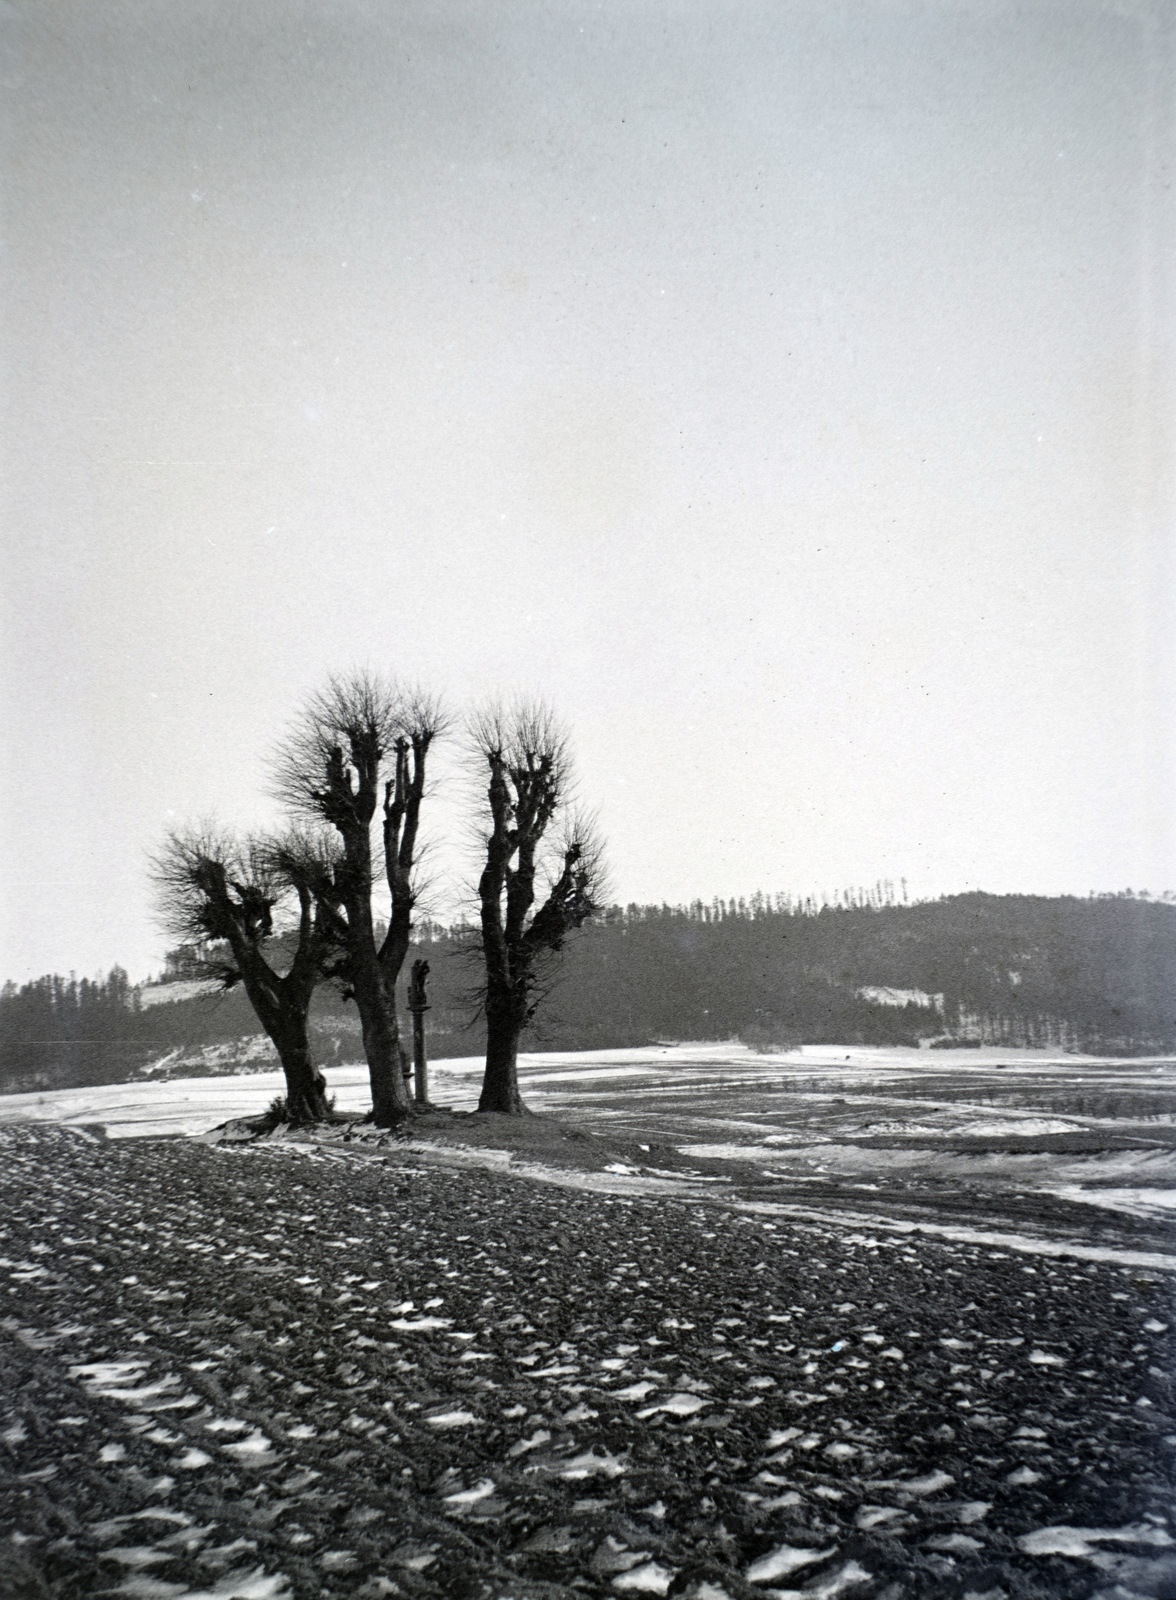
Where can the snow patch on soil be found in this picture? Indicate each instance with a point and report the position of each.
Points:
(1063, 1541)
(1006, 1241)
(1145, 1203)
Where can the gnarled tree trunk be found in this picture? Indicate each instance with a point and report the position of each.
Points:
(375, 996)
(282, 1006)
(306, 1099)
(500, 1084)
(380, 1028)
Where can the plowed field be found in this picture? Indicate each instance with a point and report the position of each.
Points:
(639, 1363)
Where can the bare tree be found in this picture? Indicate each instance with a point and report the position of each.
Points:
(222, 895)
(529, 794)
(332, 768)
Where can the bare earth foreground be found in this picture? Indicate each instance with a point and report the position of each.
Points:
(839, 1322)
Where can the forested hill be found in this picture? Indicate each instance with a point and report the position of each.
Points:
(1014, 969)
(1097, 974)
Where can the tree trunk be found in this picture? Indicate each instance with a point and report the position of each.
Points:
(282, 1012)
(306, 1099)
(375, 996)
(500, 1086)
(381, 1043)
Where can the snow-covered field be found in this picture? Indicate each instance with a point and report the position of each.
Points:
(912, 1092)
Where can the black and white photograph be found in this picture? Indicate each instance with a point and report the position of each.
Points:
(588, 983)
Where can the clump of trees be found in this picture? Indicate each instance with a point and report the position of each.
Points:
(282, 913)
(61, 1031)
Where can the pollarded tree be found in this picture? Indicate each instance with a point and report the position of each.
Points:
(528, 804)
(360, 746)
(227, 898)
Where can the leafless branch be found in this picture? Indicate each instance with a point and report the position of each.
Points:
(328, 764)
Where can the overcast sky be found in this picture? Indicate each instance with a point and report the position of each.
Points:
(783, 389)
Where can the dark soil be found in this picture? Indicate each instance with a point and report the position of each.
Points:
(903, 1409)
(529, 1138)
